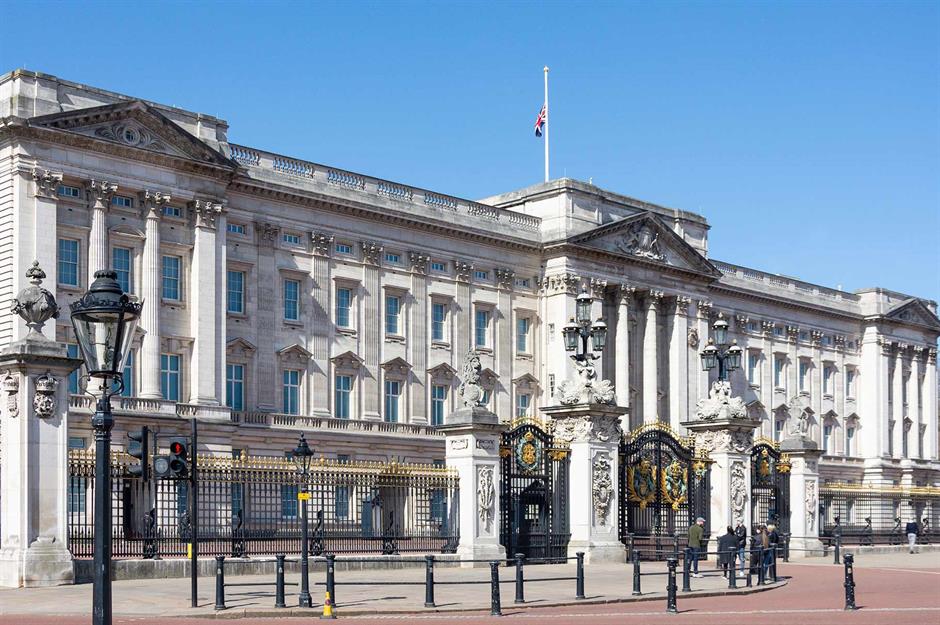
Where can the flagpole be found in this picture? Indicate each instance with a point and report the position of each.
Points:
(546, 123)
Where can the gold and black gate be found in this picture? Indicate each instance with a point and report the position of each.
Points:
(533, 492)
(770, 485)
(664, 486)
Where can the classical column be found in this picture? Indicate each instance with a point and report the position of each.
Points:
(804, 495)
(206, 315)
(915, 413)
(897, 402)
(697, 341)
(45, 218)
(472, 440)
(930, 403)
(371, 317)
(265, 363)
(872, 395)
(151, 277)
(679, 364)
(651, 359)
(419, 342)
(504, 348)
(318, 318)
(592, 432)
(100, 195)
(622, 348)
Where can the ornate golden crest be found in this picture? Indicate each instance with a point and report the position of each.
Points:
(783, 466)
(674, 484)
(641, 483)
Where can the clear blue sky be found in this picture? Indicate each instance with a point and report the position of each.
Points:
(808, 133)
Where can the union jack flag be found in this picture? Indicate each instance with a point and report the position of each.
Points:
(540, 122)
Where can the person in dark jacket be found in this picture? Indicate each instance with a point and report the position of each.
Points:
(911, 530)
(741, 533)
(696, 535)
(727, 548)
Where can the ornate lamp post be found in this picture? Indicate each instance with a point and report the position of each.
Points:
(580, 327)
(104, 320)
(719, 353)
(302, 456)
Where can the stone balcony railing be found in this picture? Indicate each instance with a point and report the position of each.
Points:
(138, 406)
(773, 281)
(277, 420)
(419, 200)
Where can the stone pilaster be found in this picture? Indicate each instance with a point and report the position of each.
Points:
(419, 342)
(651, 358)
(559, 291)
(897, 403)
(151, 282)
(679, 363)
(622, 347)
(45, 218)
(207, 315)
(804, 495)
(319, 327)
(504, 347)
(99, 194)
(472, 448)
(265, 363)
(872, 392)
(593, 433)
(371, 317)
(930, 403)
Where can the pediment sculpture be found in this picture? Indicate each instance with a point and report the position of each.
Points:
(641, 240)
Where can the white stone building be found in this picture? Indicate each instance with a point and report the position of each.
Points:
(284, 295)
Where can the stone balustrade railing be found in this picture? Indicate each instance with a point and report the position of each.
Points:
(418, 198)
(139, 406)
(782, 282)
(279, 420)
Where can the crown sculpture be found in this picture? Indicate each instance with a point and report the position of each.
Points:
(35, 304)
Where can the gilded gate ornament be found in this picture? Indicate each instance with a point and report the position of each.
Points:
(641, 483)
(674, 482)
(528, 452)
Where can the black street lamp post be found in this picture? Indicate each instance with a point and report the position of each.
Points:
(302, 456)
(719, 353)
(104, 320)
(579, 327)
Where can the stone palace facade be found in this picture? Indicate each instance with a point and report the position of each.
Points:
(284, 295)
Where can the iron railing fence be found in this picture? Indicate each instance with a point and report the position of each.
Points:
(872, 515)
(249, 506)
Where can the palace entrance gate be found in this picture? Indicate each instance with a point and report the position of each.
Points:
(770, 485)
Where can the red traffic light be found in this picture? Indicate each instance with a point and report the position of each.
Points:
(177, 448)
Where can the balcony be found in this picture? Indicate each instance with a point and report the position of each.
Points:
(276, 420)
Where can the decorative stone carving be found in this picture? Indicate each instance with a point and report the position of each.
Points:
(100, 193)
(11, 386)
(322, 243)
(504, 277)
(462, 270)
(811, 503)
(682, 305)
(738, 491)
(704, 309)
(152, 203)
(470, 390)
(206, 212)
(625, 292)
(419, 262)
(587, 389)
(602, 428)
(932, 355)
(767, 327)
(712, 441)
(816, 337)
(641, 240)
(601, 487)
(459, 443)
(44, 401)
(562, 283)
(740, 323)
(133, 135)
(47, 183)
(486, 444)
(34, 304)
(371, 251)
(741, 441)
(267, 233)
(793, 333)
(693, 338)
(598, 288)
(486, 496)
(720, 404)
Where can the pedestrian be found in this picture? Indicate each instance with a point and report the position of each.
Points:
(696, 534)
(741, 533)
(768, 554)
(727, 548)
(911, 529)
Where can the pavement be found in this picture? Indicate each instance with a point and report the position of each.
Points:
(898, 589)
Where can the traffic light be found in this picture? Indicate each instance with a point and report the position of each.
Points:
(138, 446)
(174, 465)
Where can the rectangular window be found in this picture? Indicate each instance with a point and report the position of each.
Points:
(121, 263)
(850, 382)
(481, 327)
(891, 438)
(343, 248)
(522, 335)
(235, 386)
(778, 428)
(391, 257)
(827, 439)
(170, 376)
(289, 507)
(827, 380)
(122, 201)
(481, 275)
(804, 335)
(290, 401)
(235, 284)
(804, 375)
(77, 485)
(290, 239)
(752, 326)
(753, 368)
(236, 228)
(291, 300)
(343, 304)
(523, 282)
(438, 266)
(850, 441)
(72, 352)
(238, 495)
(341, 393)
(172, 211)
(778, 371)
(778, 330)
(68, 262)
(392, 314)
(171, 277)
(128, 378)
(438, 319)
(522, 405)
(341, 502)
(66, 190)
(438, 506)
(438, 404)
(392, 395)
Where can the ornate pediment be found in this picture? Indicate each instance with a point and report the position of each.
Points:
(646, 238)
(347, 360)
(526, 382)
(488, 378)
(133, 124)
(239, 348)
(396, 366)
(294, 355)
(443, 372)
(914, 311)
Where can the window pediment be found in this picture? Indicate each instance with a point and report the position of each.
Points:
(488, 378)
(294, 355)
(396, 366)
(347, 360)
(526, 382)
(240, 348)
(443, 372)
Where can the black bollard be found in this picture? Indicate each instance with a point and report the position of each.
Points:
(520, 579)
(636, 574)
(630, 545)
(220, 582)
(732, 571)
(786, 546)
(579, 580)
(279, 588)
(849, 582)
(675, 546)
(331, 577)
(429, 581)
(750, 570)
(760, 565)
(837, 551)
(671, 586)
(495, 608)
(773, 564)
(686, 572)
